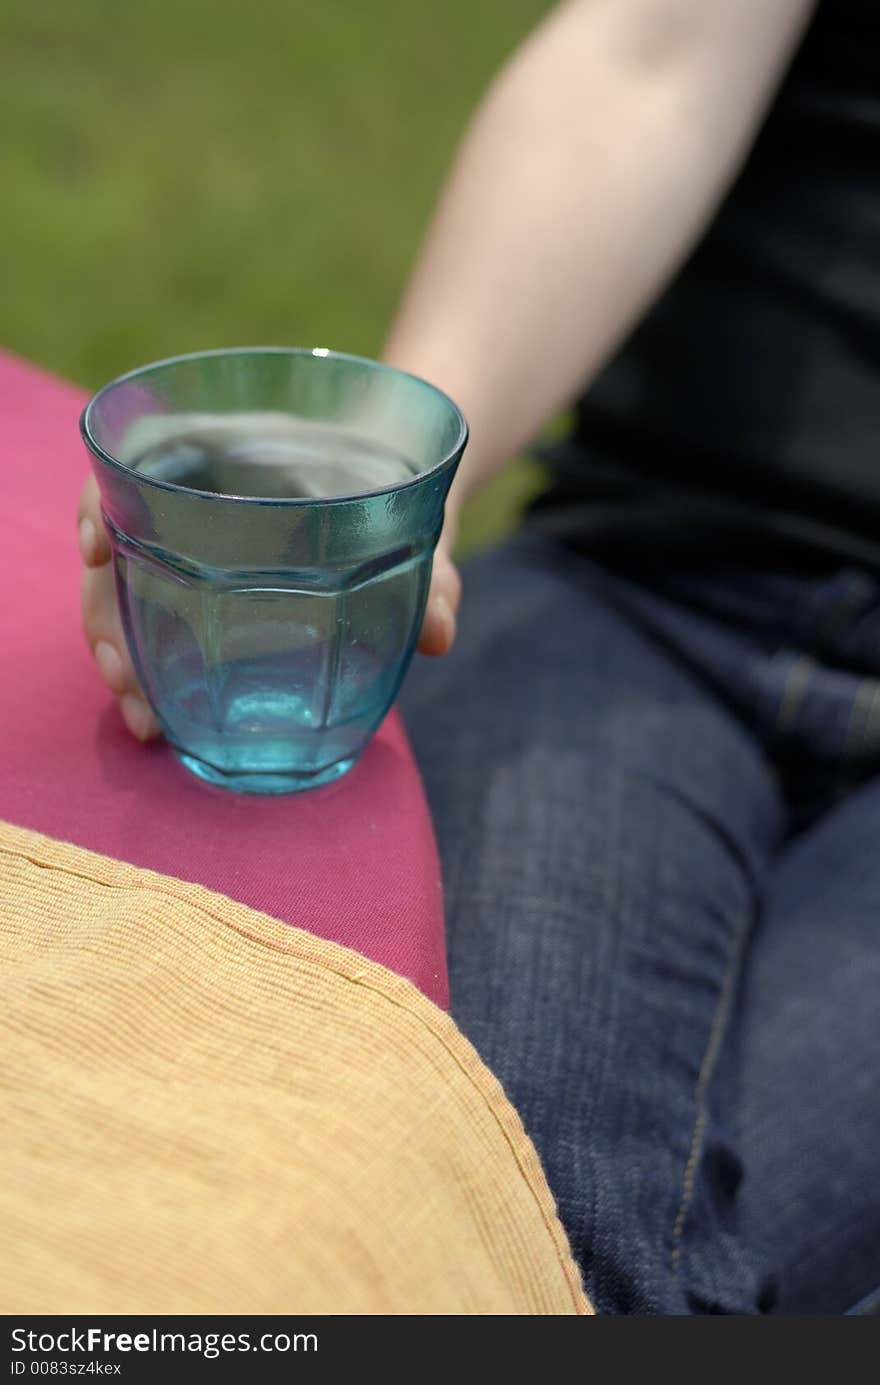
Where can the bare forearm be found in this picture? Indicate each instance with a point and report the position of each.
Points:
(587, 174)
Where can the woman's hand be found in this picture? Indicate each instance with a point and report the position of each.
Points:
(103, 627)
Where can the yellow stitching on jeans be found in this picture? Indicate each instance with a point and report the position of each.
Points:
(704, 1077)
(793, 691)
(860, 718)
(836, 621)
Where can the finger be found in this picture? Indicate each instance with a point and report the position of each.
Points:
(93, 542)
(103, 630)
(138, 717)
(104, 635)
(438, 628)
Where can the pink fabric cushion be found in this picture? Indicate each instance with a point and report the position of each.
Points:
(355, 862)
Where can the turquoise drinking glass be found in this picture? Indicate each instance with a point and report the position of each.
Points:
(272, 515)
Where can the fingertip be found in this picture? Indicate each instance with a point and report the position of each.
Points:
(138, 717)
(94, 545)
(88, 542)
(438, 631)
(110, 664)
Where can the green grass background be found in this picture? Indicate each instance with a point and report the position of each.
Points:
(181, 175)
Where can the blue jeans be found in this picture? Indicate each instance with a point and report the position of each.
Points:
(661, 846)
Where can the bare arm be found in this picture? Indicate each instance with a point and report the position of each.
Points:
(589, 171)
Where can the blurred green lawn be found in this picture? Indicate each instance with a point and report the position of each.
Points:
(181, 175)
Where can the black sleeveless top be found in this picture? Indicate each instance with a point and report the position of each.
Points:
(741, 421)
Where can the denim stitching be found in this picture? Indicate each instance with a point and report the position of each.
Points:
(860, 718)
(793, 692)
(851, 604)
(704, 1078)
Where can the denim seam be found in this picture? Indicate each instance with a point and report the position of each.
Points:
(847, 608)
(704, 1077)
(860, 718)
(793, 692)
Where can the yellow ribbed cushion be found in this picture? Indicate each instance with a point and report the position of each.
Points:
(206, 1111)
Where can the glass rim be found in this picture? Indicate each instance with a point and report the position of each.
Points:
(318, 352)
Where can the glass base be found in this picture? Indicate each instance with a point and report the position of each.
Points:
(269, 783)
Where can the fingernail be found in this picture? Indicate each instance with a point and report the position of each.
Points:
(87, 541)
(108, 659)
(137, 715)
